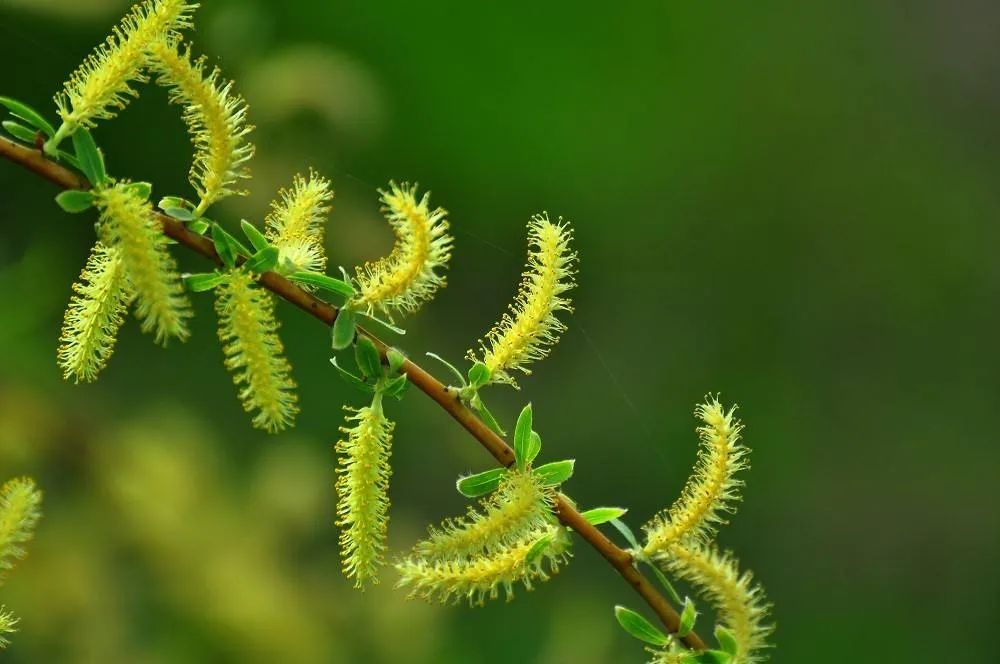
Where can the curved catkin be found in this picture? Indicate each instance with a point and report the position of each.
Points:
(94, 315)
(519, 506)
(102, 85)
(20, 509)
(363, 490)
(295, 223)
(529, 331)
(739, 602)
(712, 489)
(532, 558)
(408, 277)
(216, 119)
(254, 353)
(129, 224)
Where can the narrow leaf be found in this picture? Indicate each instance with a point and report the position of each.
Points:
(343, 329)
(480, 484)
(90, 157)
(626, 532)
(179, 213)
(225, 249)
(480, 407)
(322, 281)
(29, 115)
(450, 366)
(396, 387)
(522, 435)
(555, 473)
(378, 323)
(200, 283)
(350, 378)
(20, 132)
(639, 627)
(688, 617)
(538, 548)
(256, 238)
(726, 640)
(600, 515)
(534, 447)
(707, 657)
(74, 201)
(367, 357)
(263, 261)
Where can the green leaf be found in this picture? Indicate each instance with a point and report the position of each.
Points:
(688, 617)
(639, 627)
(626, 532)
(480, 484)
(367, 357)
(322, 281)
(68, 158)
(378, 323)
(343, 329)
(20, 132)
(661, 577)
(396, 360)
(256, 238)
(479, 375)
(396, 387)
(199, 226)
(555, 473)
(479, 406)
(74, 201)
(206, 281)
(141, 189)
(223, 247)
(599, 515)
(534, 447)
(522, 435)
(538, 549)
(450, 366)
(29, 115)
(179, 213)
(263, 261)
(90, 157)
(726, 640)
(707, 657)
(174, 202)
(350, 378)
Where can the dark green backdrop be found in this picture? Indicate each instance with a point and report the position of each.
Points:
(790, 203)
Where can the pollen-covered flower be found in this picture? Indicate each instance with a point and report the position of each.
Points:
(8, 625)
(712, 489)
(363, 490)
(295, 224)
(102, 85)
(520, 505)
(533, 557)
(216, 118)
(94, 315)
(529, 331)
(740, 603)
(254, 353)
(406, 278)
(129, 225)
(20, 509)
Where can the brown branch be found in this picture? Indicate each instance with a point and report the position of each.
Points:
(621, 560)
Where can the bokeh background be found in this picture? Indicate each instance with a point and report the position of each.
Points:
(794, 204)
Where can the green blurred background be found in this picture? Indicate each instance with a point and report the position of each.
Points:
(791, 203)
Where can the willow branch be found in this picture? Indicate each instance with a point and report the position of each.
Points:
(446, 398)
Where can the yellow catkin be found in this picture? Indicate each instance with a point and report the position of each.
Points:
(520, 505)
(740, 603)
(102, 85)
(712, 489)
(254, 353)
(532, 558)
(20, 509)
(216, 119)
(295, 223)
(408, 277)
(129, 224)
(529, 331)
(94, 315)
(363, 490)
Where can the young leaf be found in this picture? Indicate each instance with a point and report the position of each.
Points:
(74, 201)
(168, 202)
(29, 115)
(199, 226)
(20, 132)
(200, 283)
(350, 378)
(378, 323)
(480, 407)
(534, 447)
(263, 261)
(179, 213)
(639, 627)
(688, 616)
(343, 329)
(600, 515)
(225, 249)
(555, 473)
(141, 189)
(395, 359)
(256, 238)
(479, 375)
(537, 549)
(661, 577)
(396, 387)
(626, 532)
(707, 657)
(726, 640)
(450, 366)
(522, 436)
(90, 157)
(367, 357)
(322, 281)
(480, 484)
